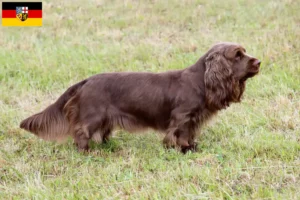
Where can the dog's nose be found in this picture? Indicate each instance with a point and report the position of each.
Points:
(256, 63)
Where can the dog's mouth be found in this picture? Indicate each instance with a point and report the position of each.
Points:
(253, 69)
(253, 72)
(250, 74)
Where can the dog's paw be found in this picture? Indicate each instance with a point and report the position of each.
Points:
(192, 148)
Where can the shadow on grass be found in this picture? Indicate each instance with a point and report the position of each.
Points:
(113, 145)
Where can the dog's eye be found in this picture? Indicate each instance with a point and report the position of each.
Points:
(238, 55)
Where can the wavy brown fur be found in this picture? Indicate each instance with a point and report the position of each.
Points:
(175, 102)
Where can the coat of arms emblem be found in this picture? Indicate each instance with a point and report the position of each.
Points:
(22, 13)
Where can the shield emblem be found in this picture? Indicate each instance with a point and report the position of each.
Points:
(22, 13)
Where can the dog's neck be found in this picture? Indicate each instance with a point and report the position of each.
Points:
(196, 74)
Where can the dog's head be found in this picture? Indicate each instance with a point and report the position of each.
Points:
(227, 69)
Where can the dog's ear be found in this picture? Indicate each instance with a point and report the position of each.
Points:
(219, 81)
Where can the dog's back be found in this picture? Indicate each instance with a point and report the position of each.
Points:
(128, 100)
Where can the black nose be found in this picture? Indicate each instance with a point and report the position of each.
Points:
(256, 62)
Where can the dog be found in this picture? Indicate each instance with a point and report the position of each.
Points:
(176, 102)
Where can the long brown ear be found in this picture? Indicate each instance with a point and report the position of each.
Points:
(219, 81)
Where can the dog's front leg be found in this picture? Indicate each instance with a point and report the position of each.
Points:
(181, 134)
(186, 138)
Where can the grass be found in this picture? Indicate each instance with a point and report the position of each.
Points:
(249, 151)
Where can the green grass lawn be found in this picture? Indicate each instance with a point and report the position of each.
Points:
(249, 151)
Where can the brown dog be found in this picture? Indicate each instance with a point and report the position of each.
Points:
(176, 102)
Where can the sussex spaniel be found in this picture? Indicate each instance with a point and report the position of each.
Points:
(174, 102)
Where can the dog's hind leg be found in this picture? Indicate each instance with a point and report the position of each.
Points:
(81, 138)
(106, 135)
(87, 132)
(98, 127)
(170, 139)
(101, 135)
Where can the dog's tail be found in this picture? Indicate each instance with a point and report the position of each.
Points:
(52, 124)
